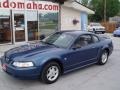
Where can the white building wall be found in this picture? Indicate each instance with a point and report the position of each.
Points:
(67, 17)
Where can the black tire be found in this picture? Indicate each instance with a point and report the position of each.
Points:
(103, 32)
(94, 30)
(114, 35)
(104, 60)
(44, 76)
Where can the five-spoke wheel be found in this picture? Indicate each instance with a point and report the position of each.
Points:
(104, 57)
(51, 72)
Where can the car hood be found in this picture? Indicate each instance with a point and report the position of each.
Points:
(29, 50)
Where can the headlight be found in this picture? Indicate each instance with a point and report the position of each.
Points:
(23, 64)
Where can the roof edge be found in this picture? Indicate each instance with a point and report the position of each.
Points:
(83, 5)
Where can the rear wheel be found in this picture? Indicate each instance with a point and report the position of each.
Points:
(51, 72)
(103, 58)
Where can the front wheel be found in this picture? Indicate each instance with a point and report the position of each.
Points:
(103, 58)
(51, 72)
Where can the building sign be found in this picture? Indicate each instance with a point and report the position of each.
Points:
(29, 5)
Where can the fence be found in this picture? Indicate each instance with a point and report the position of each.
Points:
(110, 27)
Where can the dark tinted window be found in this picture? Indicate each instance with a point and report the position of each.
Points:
(83, 41)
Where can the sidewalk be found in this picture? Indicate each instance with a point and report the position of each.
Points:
(6, 47)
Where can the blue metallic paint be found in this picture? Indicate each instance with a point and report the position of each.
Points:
(40, 54)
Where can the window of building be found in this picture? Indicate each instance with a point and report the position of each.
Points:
(19, 25)
(48, 22)
(5, 29)
(32, 25)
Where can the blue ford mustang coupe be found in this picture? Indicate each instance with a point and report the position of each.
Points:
(57, 54)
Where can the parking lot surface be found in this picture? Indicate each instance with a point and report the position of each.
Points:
(94, 77)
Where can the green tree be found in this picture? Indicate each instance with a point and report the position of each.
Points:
(112, 9)
(85, 2)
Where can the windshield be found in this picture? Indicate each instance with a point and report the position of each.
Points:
(59, 39)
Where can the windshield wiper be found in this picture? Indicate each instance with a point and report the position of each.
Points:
(50, 44)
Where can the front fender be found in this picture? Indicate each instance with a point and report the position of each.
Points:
(101, 50)
(46, 60)
(105, 47)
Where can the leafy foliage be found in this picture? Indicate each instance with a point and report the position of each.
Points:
(85, 2)
(112, 9)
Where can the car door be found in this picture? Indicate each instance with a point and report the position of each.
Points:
(84, 51)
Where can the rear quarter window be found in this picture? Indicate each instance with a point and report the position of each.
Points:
(95, 38)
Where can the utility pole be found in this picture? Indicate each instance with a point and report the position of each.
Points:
(105, 11)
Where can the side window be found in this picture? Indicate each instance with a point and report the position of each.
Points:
(83, 40)
(95, 39)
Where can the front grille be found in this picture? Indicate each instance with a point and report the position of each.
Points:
(99, 29)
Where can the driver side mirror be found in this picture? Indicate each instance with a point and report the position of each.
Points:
(42, 37)
(74, 47)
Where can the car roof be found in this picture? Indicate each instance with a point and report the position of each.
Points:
(75, 32)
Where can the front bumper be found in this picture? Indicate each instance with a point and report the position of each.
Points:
(21, 73)
(99, 30)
